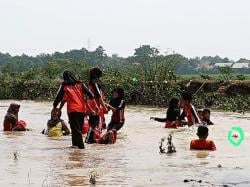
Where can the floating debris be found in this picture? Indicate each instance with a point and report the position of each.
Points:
(162, 149)
(170, 145)
(92, 177)
(16, 155)
(192, 180)
(219, 166)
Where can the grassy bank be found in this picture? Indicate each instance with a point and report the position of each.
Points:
(229, 96)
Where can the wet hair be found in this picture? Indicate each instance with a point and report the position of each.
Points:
(95, 73)
(202, 131)
(187, 96)
(109, 137)
(206, 110)
(173, 103)
(120, 92)
(69, 77)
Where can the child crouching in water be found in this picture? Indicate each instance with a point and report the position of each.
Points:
(117, 105)
(11, 122)
(202, 143)
(56, 127)
(94, 135)
(173, 114)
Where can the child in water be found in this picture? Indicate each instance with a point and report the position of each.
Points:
(202, 143)
(117, 105)
(206, 117)
(94, 135)
(189, 111)
(173, 113)
(56, 127)
(11, 122)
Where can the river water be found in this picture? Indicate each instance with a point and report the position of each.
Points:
(32, 159)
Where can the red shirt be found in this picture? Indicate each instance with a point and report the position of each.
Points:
(202, 145)
(74, 97)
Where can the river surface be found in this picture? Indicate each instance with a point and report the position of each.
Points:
(32, 159)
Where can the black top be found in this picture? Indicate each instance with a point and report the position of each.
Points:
(117, 103)
(171, 115)
(208, 122)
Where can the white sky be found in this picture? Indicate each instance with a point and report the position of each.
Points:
(190, 27)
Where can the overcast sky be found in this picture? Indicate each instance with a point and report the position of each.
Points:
(189, 27)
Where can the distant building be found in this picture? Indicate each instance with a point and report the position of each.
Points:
(234, 65)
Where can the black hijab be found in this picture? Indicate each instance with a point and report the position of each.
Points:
(69, 77)
(12, 109)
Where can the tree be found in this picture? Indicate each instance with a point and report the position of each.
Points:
(145, 51)
(226, 72)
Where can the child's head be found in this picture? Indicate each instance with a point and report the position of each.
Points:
(118, 93)
(13, 108)
(202, 132)
(200, 114)
(69, 77)
(110, 136)
(186, 98)
(206, 113)
(95, 73)
(174, 103)
(56, 114)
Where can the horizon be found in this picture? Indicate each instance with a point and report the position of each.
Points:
(192, 29)
(110, 55)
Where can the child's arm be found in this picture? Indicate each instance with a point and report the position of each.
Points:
(109, 107)
(120, 106)
(159, 119)
(58, 97)
(61, 105)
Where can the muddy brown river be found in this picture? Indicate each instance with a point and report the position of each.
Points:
(32, 159)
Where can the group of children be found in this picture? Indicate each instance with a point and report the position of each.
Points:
(86, 107)
(174, 119)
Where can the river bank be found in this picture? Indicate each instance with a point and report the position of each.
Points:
(218, 95)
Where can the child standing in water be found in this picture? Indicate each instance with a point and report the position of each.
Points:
(173, 114)
(56, 127)
(98, 103)
(188, 110)
(202, 143)
(11, 122)
(75, 93)
(117, 105)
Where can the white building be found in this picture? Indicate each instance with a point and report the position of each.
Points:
(240, 65)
